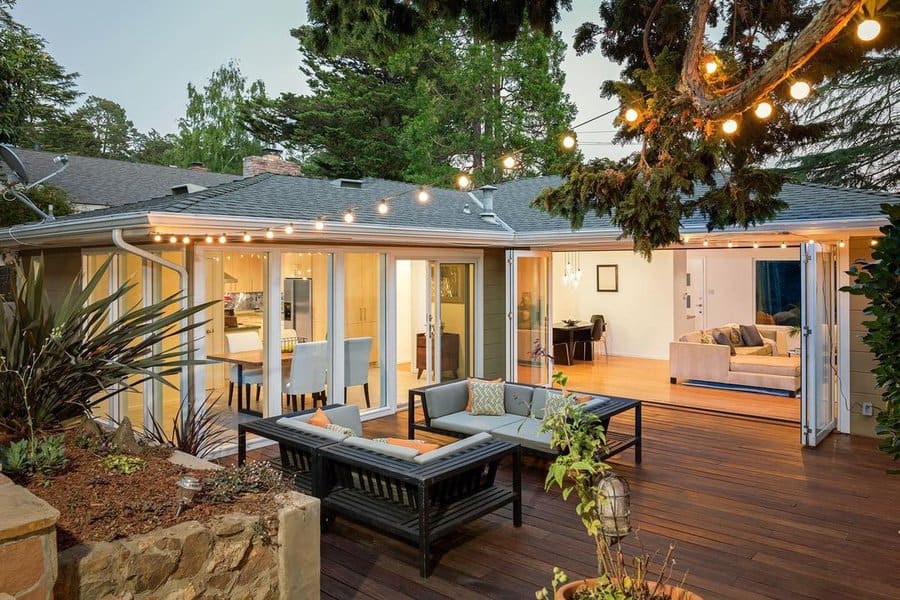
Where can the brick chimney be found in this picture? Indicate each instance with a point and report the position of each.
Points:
(269, 162)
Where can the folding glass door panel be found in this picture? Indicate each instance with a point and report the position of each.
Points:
(818, 350)
(453, 297)
(364, 326)
(528, 316)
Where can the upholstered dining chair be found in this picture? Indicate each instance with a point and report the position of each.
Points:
(356, 364)
(598, 336)
(243, 341)
(308, 374)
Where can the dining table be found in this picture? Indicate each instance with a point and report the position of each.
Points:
(249, 359)
(566, 333)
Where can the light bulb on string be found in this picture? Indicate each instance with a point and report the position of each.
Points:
(763, 110)
(247, 237)
(783, 245)
(868, 30)
(729, 126)
(800, 90)
(423, 196)
(841, 244)
(755, 245)
(509, 162)
(706, 243)
(270, 234)
(173, 239)
(185, 240)
(568, 141)
(873, 242)
(289, 228)
(383, 207)
(711, 66)
(463, 181)
(223, 238)
(209, 239)
(349, 217)
(631, 115)
(320, 224)
(157, 238)
(731, 244)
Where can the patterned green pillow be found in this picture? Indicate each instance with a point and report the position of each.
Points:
(557, 402)
(706, 337)
(487, 397)
(340, 429)
(734, 333)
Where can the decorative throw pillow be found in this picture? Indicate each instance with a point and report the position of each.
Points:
(722, 338)
(470, 380)
(706, 337)
(734, 333)
(557, 402)
(422, 446)
(339, 429)
(319, 419)
(487, 397)
(751, 336)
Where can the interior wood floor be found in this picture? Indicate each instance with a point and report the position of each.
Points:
(648, 379)
(752, 515)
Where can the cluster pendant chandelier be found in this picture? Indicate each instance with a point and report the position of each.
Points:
(572, 272)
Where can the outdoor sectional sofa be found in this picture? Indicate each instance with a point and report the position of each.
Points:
(444, 408)
(416, 497)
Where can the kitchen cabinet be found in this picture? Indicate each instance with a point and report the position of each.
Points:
(362, 279)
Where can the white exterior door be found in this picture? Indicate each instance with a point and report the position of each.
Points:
(818, 348)
(528, 316)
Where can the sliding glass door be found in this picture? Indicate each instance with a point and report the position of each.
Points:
(818, 350)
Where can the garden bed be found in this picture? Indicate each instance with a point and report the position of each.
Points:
(97, 504)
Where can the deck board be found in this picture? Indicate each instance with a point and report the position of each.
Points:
(752, 515)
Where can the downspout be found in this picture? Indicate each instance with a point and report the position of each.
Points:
(184, 340)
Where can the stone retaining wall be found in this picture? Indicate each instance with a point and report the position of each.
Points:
(233, 556)
(27, 544)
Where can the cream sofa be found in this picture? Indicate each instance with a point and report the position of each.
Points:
(765, 366)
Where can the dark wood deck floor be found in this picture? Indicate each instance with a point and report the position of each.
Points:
(751, 514)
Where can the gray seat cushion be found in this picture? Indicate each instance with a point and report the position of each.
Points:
(463, 422)
(527, 433)
(447, 398)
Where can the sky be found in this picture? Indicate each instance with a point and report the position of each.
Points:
(143, 54)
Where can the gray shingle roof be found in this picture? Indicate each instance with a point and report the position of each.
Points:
(283, 197)
(113, 182)
(806, 202)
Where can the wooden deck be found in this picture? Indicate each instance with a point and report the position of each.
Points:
(752, 516)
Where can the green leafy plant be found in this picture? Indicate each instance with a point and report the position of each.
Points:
(879, 282)
(123, 464)
(229, 484)
(59, 362)
(29, 456)
(197, 431)
(579, 436)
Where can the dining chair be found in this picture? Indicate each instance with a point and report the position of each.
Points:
(356, 364)
(243, 341)
(308, 374)
(598, 336)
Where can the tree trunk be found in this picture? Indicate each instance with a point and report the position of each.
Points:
(828, 22)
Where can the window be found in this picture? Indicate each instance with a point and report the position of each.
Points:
(778, 285)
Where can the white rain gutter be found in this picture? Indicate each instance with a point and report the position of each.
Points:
(120, 243)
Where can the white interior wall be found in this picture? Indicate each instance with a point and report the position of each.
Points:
(640, 315)
(730, 281)
(404, 320)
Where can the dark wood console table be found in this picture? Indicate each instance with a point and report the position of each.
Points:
(449, 353)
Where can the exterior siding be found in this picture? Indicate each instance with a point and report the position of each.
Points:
(862, 381)
(494, 313)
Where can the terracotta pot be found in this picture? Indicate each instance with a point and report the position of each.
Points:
(567, 592)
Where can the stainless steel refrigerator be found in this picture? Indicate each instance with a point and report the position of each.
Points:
(298, 306)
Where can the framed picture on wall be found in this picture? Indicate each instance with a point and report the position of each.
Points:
(607, 278)
(453, 284)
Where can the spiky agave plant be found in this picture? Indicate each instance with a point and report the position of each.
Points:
(58, 363)
(195, 430)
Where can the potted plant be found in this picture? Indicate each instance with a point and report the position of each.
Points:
(603, 508)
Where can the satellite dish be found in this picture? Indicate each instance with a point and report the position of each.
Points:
(9, 157)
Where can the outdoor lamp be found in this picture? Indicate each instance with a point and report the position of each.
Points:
(614, 501)
(188, 487)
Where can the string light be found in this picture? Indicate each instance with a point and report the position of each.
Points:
(841, 244)
(873, 242)
(631, 115)
(173, 239)
(383, 207)
(157, 238)
(731, 244)
(568, 141)
(711, 66)
(705, 243)
(783, 245)
(423, 196)
(755, 244)
(800, 90)
(209, 239)
(269, 233)
(289, 229)
(509, 162)
(247, 237)
(868, 30)
(463, 181)
(320, 223)
(763, 110)
(349, 217)
(185, 240)
(730, 126)
(223, 238)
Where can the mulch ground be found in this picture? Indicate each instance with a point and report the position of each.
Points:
(98, 505)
